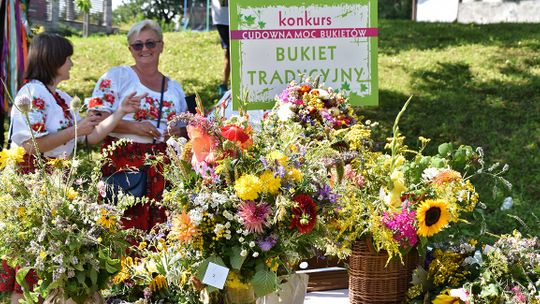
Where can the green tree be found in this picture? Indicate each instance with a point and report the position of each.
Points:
(85, 6)
(163, 11)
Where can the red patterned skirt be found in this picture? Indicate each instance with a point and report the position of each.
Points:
(133, 155)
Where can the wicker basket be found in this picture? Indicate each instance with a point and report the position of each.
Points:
(371, 282)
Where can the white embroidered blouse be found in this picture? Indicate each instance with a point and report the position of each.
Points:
(119, 82)
(46, 116)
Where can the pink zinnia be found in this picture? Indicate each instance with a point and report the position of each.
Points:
(402, 225)
(254, 215)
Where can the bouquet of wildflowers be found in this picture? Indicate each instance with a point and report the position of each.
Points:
(316, 108)
(53, 224)
(400, 201)
(156, 271)
(506, 272)
(250, 202)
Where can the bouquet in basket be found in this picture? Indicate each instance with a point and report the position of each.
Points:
(252, 202)
(401, 199)
(52, 224)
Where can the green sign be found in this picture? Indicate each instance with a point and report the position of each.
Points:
(273, 42)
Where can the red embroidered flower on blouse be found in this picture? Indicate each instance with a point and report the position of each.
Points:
(105, 84)
(149, 100)
(95, 102)
(38, 103)
(154, 112)
(109, 98)
(304, 214)
(171, 116)
(38, 127)
(167, 104)
(141, 114)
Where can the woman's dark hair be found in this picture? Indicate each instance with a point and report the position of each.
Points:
(48, 52)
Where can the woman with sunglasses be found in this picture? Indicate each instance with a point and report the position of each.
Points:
(45, 112)
(147, 128)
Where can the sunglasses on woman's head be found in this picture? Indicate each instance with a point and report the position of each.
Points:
(150, 44)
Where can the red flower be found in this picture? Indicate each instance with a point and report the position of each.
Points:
(105, 84)
(234, 133)
(154, 112)
(38, 103)
(141, 114)
(304, 214)
(171, 116)
(149, 100)
(109, 98)
(38, 127)
(95, 102)
(167, 104)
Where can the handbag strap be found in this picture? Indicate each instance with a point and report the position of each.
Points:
(160, 103)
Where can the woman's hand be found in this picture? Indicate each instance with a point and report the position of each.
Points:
(146, 128)
(99, 115)
(176, 132)
(86, 126)
(131, 103)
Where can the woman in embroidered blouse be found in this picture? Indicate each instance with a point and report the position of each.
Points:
(147, 128)
(51, 119)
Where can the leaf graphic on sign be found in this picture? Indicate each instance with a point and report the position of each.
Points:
(250, 20)
(363, 87)
(262, 24)
(345, 86)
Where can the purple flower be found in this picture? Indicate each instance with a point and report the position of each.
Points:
(147, 293)
(263, 161)
(325, 193)
(281, 171)
(266, 243)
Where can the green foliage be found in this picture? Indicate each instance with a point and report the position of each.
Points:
(129, 12)
(163, 11)
(395, 9)
(84, 5)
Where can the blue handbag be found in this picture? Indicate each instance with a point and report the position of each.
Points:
(129, 182)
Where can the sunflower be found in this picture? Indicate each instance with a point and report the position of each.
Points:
(432, 216)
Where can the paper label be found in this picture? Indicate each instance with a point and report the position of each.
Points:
(215, 275)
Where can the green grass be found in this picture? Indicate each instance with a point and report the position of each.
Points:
(472, 84)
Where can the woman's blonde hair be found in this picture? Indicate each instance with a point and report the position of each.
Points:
(145, 25)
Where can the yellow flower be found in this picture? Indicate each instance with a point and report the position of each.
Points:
(446, 298)
(398, 182)
(14, 155)
(106, 220)
(234, 282)
(158, 282)
(281, 158)
(123, 275)
(183, 228)
(71, 193)
(43, 254)
(295, 174)
(21, 212)
(248, 187)
(432, 216)
(270, 184)
(142, 245)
